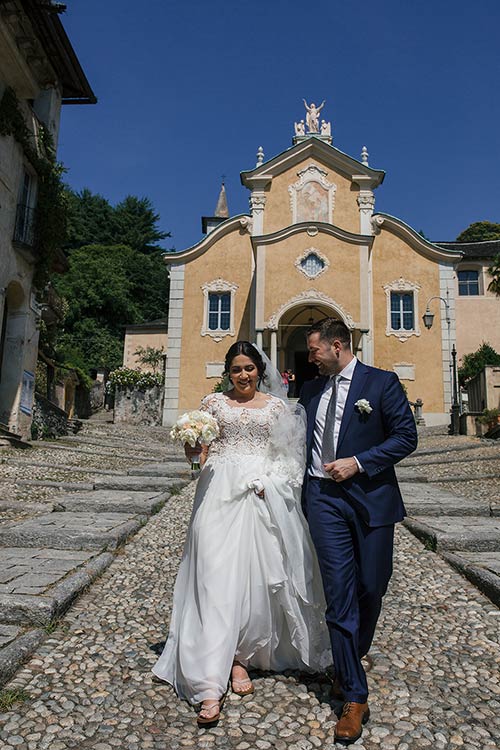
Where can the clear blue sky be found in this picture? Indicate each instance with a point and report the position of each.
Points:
(189, 90)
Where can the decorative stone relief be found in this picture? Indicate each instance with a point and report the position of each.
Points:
(366, 201)
(218, 285)
(257, 202)
(318, 265)
(246, 223)
(312, 197)
(402, 285)
(308, 297)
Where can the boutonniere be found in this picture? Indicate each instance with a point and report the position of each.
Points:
(363, 406)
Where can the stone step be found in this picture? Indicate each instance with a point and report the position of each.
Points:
(76, 468)
(448, 449)
(459, 533)
(427, 500)
(72, 531)
(92, 451)
(445, 461)
(37, 585)
(57, 484)
(480, 568)
(408, 475)
(163, 469)
(156, 447)
(144, 483)
(113, 501)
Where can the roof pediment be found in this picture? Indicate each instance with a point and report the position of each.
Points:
(313, 148)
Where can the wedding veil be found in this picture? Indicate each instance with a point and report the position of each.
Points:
(287, 441)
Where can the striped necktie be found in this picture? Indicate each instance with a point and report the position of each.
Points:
(328, 446)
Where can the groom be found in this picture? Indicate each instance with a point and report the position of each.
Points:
(359, 424)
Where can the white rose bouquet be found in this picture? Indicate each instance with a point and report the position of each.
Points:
(195, 427)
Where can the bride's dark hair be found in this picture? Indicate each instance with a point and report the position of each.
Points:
(248, 350)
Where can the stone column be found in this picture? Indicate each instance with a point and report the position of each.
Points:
(173, 366)
(259, 339)
(274, 348)
(366, 203)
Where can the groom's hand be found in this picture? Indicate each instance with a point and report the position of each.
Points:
(342, 468)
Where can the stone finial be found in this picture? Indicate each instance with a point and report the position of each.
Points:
(364, 156)
(221, 210)
(260, 156)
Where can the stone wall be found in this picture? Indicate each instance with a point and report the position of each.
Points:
(48, 419)
(135, 406)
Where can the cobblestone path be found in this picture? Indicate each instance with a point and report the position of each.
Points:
(435, 681)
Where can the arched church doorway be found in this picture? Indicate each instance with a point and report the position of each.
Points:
(292, 345)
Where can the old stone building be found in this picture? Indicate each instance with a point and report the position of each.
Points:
(313, 245)
(39, 71)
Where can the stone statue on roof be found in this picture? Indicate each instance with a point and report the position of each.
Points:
(312, 117)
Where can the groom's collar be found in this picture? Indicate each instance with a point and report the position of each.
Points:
(348, 370)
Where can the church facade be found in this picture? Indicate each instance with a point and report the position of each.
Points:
(312, 246)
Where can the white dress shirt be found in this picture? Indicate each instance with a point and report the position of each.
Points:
(343, 383)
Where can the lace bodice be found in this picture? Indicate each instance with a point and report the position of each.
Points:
(243, 430)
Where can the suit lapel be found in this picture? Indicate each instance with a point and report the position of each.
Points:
(312, 408)
(355, 392)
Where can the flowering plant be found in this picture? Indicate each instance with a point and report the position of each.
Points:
(363, 406)
(195, 427)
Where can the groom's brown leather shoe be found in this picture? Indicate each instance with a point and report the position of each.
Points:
(350, 725)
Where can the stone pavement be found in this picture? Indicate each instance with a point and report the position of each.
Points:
(451, 487)
(54, 544)
(435, 681)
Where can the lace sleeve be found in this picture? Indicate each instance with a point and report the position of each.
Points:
(286, 453)
(208, 403)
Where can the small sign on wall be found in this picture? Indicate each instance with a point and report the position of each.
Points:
(405, 371)
(214, 369)
(27, 392)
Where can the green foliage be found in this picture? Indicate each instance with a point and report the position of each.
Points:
(149, 356)
(480, 231)
(125, 377)
(135, 224)
(494, 271)
(489, 415)
(222, 385)
(473, 363)
(92, 220)
(51, 208)
(106, 288)
(11, 696)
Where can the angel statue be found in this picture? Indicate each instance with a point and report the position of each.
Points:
(312, 117)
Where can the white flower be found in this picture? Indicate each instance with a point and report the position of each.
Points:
(363, 406)
(195, 426)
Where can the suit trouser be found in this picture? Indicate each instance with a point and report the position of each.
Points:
(356, 565)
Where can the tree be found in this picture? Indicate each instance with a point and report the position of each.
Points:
(90, 220)
(107, 287)
(494, 271)
(135, 224)
(480, 231)
(473, 363)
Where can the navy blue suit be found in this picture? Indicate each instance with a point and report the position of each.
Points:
(352, 522)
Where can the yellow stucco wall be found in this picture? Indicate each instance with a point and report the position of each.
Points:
(393, 258)
(143, 338)
(340, 281)
(278, 213)
(478, 318)
(230, 259)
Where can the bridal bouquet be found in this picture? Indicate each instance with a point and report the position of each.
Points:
(195, 427)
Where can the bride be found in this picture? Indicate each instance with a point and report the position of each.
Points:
(248, 592)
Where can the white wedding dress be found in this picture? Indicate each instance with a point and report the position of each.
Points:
(248, 586)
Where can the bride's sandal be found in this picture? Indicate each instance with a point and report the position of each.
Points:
(209, 714)
(242, 687)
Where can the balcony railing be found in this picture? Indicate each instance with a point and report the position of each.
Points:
(24, 231)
